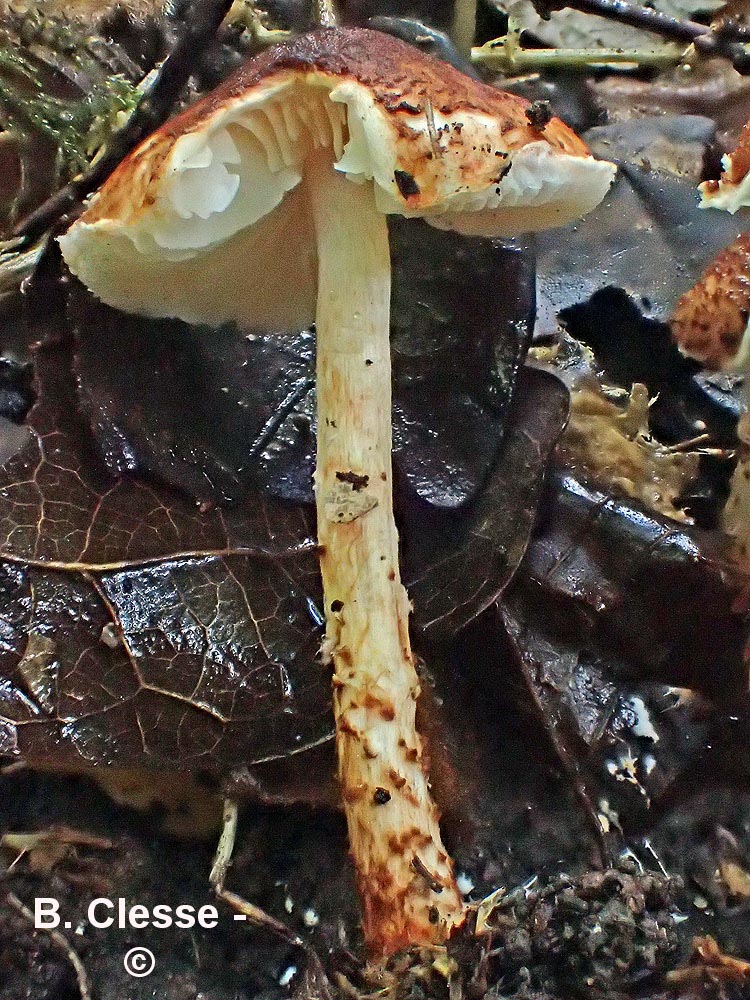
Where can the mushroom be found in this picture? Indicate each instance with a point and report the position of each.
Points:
(265, 204)
(710, 324)
(732, 190)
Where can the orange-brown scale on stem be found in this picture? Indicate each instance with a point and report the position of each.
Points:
(410, 838)
(347, 729)
(353, 793)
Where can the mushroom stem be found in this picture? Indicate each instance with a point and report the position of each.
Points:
(405, 875)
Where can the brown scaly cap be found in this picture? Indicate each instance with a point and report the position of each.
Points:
(209, 221)
(402, 81)
(710, 322)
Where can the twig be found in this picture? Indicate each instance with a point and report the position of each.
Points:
(253, 21)
(225, 847)
(246, 551)
(60, 940)
(725, 40)
(219, 869)
(691, 444)
(520, 60)
(326, 14)
(259, 918)
(61, 835)
(199, 28)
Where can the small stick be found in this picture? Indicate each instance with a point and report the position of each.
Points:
(225, 847)
(518, 60)
(260, 918)
(690, 445)
(247, 551)
(218, 874)
(726, 40)
(60, 940)
(326, 14)
(199, 29)
(648, 19)
(222, 862)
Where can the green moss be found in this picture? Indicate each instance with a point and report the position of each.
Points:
(60, 100)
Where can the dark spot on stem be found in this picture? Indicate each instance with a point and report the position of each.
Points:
(356, 481)
(381, 796)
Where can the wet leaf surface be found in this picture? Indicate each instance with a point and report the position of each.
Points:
(678, 145)
(145, 626)
(710, 88)
(653, 592)
(239, 411)
(654, 766)
(425, 37)
(648, 238)
(155, 638)
(584, 682)
(460, 564)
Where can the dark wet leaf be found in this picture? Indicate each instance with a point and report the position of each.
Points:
(458, 564)
(240, 410)
(614, 280)
(428, 39)
(648, 238)
(709, 87)
(437, 13)
(155, 639)
(625, 745)
(677, 145)
(143, 628)
(634, 751)
(652, 592)
(585, 663)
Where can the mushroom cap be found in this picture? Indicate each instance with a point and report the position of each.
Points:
(207, 219)
(732, 191)
(710, 322)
